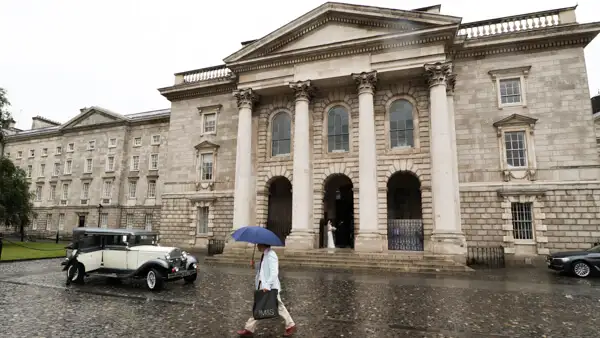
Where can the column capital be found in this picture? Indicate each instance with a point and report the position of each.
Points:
(438, 73)
(303, 90)
(451, 82)
(365, 81)
(245, 98)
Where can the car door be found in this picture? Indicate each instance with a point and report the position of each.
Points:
(90, 252)
(594, 258)
(114, 255)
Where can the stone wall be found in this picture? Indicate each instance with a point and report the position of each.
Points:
(139, 216)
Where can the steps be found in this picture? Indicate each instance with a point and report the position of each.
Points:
(347, 260)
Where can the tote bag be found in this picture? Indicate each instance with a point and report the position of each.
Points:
(265, 304)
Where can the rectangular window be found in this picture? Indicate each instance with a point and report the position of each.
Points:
(522, 220)
(155, 140)
(29, 171)
(203, 220)
(137, 141)
(112, 143)
(107, 189)
(154, 162)
(65, 192)
(151, 189)
(510, 91)
(129, 221)
(48, 221)
(31, 152)
(52, 194)
(68, 167)
(132, 188)
(71, 147)
(56, 170)
(148, 222)
(135, 163)
(58, 150)
(19, 154)
(42, 172)
(91, 145)
(34, 223)
(210, 123)
(104, 220)
(89, 164)
(516, 149)
(110, 163)
(206, 169)
(44, 151)
(61, 221)
(85, 191)
(38, 193)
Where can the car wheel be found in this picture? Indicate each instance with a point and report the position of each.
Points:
(581, 269)
(76, 273)
(154, 280)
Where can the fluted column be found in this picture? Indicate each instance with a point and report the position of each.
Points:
(452, 125)
(302, 235)
(447, 237)
(243, 194)
(369, 237)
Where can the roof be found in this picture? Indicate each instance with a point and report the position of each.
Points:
(102, 231)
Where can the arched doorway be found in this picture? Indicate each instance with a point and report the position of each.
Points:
(405, 217)
(338, 206)
(279, 217)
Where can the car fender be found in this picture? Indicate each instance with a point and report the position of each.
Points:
(152, 263)
(70, 261)
(191, 260)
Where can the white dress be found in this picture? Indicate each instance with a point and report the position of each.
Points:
(330, 243)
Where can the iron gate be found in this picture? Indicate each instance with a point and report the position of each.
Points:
(405, 234)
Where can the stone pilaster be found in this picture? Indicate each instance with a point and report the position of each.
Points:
(452, 125)
(447, 237)
(302, 236)
(369, 236)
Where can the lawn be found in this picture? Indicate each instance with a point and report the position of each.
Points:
(32, 250)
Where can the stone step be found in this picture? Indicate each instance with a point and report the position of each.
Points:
(345, 254)
(345, 265)
(359, 258)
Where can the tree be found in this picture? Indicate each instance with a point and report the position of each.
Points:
(16, 207)
(5, 119)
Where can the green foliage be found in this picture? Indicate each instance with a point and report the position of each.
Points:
(5, 118)
(16, 207)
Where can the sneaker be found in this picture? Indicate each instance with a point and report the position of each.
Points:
(245, 333)
(289, 331)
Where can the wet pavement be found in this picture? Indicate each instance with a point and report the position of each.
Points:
(34, 302)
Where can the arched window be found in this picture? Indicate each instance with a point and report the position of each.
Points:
(338, 136)
(401, 124)
(281, 134)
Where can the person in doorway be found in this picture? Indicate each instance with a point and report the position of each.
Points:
(330, 241)
(267, 278)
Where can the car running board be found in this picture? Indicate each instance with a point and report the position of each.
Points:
(112, 275)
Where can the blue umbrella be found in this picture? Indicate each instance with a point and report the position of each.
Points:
(256, 235)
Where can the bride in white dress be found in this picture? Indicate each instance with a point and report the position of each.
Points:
(330, 228)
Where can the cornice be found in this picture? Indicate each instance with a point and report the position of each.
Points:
(179, 92)
(511, 48)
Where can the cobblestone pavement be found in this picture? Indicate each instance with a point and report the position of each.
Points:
(34, 302)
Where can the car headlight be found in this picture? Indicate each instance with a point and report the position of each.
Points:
(184, 254)
(564, 259)
(167, 256)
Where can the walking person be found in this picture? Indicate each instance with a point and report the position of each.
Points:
(267, 278)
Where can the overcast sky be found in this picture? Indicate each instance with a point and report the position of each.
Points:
(58, 56)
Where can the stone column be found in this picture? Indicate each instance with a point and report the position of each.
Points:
(302, 236)
(369, 237)
(447, 237)
(243, 194)
(452, 125)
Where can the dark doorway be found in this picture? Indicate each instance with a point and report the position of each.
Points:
(279, 217)
(405, 217)
(81, 221)
(338, 206)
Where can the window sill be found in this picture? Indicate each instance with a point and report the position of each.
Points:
(525, 242)
(206, 235)
(512, 105)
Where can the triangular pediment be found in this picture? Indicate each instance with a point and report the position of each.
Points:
(206, 145)
(515, 120)
(93, 116)
(333, 23)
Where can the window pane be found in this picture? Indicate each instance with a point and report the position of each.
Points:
(338, 129)
(522, 220)
(516, 151)
(281, 134)
(401, 124)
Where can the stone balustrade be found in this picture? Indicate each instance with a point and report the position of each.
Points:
(203, 74)
(524, 22)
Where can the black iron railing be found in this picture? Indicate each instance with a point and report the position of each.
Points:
(489, 257)
(405, 234)
(215, 247)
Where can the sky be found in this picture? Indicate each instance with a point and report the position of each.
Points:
(58, 56)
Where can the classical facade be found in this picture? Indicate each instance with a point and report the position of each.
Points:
(408, 129)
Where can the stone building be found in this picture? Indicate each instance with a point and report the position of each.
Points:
(98, 169)
(410, 130)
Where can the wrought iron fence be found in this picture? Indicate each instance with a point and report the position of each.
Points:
(490, 257)
(215, 247)
(405, 234)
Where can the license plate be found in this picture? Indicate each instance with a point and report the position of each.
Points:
(182, 273)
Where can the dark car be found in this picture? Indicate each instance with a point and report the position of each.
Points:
(580, 263)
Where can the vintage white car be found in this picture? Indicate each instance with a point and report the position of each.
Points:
(126, 253)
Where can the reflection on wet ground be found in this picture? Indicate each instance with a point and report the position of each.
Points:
(495, 303)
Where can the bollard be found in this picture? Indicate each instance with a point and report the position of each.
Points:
(56, 237)
(1, 245)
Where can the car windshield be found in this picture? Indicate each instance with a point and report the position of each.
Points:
(144, 240)
(594, 249)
